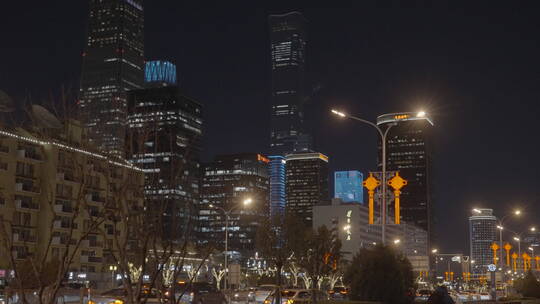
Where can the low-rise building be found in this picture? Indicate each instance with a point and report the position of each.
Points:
(350, 222)
(54, 192)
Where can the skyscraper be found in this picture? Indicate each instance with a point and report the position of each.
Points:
(164, 138)
(113, 63)
(408, 150)
(288, 49)
(307, 184)
(226, 183)
(482, 233)
(348, 186)
(277, 175)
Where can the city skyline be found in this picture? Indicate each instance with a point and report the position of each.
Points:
(431, 79)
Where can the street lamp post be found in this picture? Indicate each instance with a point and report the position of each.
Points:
(227, 214)
(500, 226)
(112, 268)
(383, 134)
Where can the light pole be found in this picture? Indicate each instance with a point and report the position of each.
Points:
(112, 268)
(518, 240)
(227, 214)
(500, 226)
(383, 135)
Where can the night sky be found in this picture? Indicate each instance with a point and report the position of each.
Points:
(474, 67)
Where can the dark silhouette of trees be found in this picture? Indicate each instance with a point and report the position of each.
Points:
(380, 274)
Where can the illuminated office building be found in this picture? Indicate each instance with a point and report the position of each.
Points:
(227, 182)
(409, 151)
(160, 73)
(164, 139)
(113, 63)
(277, 173)
(307, 184)
(288, 55)
(482, 233)
(348, 186)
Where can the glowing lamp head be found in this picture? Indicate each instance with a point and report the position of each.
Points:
(517, 212)
(397, 241)
(421, 114)
(248, 201)
(338, 113)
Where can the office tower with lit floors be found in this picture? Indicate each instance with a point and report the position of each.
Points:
(409, 151)
(482, 233)
(288, 58)
(348, 186)
(112, 64)
(164, 139)
(307, 184)
(229, 182)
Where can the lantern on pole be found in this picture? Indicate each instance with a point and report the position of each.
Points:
(507, 248)
(537, 260)
(495, 247)
(371, 183)
(514, 262)
(526, 262)
(397, 182)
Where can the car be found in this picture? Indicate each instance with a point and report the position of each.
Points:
(339, 292)
(292, 296)
(423, 294)
(262, 292)
(200, 293)
(119, 296)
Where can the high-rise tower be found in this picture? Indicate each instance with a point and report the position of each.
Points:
(408, 150)
(482, 233)
(113, 63)
(288, 47)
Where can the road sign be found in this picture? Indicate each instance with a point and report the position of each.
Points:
(492, 267)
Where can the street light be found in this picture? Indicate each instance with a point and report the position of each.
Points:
(516, 212)
(227, 214)
(383, 135)
(397, 241)
(112, 268)
(434, 250)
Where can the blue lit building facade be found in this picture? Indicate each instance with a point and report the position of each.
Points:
(348, 186)
(160, 73)
(278, 198)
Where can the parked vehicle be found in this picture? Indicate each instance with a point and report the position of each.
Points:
(200, 293)
(339, 292)
(262, 292)
(293, 296)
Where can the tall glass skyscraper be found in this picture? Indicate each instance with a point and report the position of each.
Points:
(348, 186)
(408, 150)
(164, 138)
(226, 183)
(278, 198)
(113, 63)
(307, 184)
(288, 46)
(482, 233)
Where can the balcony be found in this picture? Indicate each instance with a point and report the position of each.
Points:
(62, 225)
(90, 259)
(27, 188)
(17, 237)
(62, 209)
(94, 198)
(29, 154)
(4, 149)
(66, 177)
(91, 244)
(19, 204)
